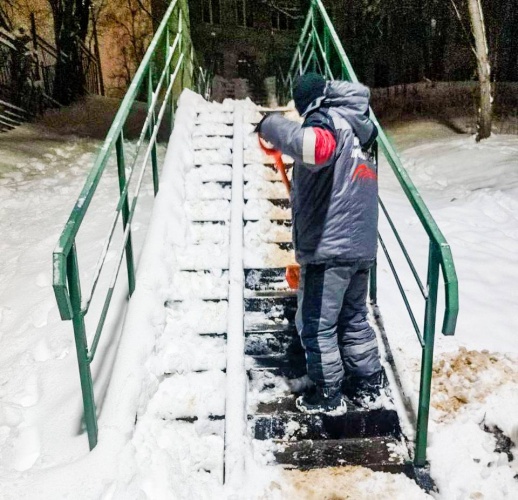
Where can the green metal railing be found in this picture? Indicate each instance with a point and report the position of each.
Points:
(168, 67)
(319, 49)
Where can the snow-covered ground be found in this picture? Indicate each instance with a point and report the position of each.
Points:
(472, 191)
(41, 176)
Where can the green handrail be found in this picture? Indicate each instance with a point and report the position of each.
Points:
(178, 69)
(319, 49)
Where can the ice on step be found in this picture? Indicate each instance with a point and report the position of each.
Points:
(208, 173)
(211, 210)
(213, 129)
(201, 284)
(198, 316)
(264, 209)
(190, 395)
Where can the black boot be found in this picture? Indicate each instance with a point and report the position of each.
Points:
(364, 390)
(321, 399)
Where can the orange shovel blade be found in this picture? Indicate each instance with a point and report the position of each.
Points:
(293, 276)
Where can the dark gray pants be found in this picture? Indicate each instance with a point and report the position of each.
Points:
(332, 321)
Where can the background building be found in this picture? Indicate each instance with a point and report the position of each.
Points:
(245, 39)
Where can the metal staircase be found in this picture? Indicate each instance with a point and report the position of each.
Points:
(269, 345)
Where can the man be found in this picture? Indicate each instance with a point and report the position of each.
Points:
(335, 215)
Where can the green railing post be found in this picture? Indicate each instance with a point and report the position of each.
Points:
(152, 122)
(121, 167)
(169, 112)
(373, 283)
(427, 356)
(78, 322)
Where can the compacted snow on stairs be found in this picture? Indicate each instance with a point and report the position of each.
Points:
(216, 405)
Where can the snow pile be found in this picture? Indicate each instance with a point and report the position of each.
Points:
(466, 377)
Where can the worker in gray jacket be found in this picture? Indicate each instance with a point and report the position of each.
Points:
(335, 216)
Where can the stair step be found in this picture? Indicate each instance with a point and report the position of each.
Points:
(282, 420)
(267, 344)
(280, 330)
(288, 367)
(377, 453)
(266, 279)
(274, 307)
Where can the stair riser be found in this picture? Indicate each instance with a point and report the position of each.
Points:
(355, 424)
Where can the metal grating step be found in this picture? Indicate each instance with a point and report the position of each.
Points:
(290, 424)
(377, 453)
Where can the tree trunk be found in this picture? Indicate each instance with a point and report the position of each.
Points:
(71, 19)
(158, 9)
(483, 69)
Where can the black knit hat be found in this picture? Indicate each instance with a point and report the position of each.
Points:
(308, 88)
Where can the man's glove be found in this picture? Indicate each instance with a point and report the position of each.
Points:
(257, 128)
(266, 115)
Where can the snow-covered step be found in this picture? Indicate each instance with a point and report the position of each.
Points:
(208, 190)
(267, 255)
(209, 173)
(210, 116)
(268, 231)
(204, 256)
(213, 156)
(189, 395)
(213, 142)
(258, 171)
(260, 189)
(197, 316)
(267, 209)
(209, 232)
(183, 352)
(208, 210)
(213, 129)
(208, 285)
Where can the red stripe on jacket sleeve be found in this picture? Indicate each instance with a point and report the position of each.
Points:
(325, 145)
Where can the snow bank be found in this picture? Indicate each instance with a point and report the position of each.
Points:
(472, 192)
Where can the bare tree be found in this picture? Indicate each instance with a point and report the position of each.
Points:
(133, 27)
(5, 21)
(483, 69)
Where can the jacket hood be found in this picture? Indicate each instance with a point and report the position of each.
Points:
(350, 100)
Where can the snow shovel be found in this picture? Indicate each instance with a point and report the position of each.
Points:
(293, 270)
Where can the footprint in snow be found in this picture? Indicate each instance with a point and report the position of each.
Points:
(29, 394)
(40, 313)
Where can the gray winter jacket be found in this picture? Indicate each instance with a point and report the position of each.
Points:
(335, 206)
